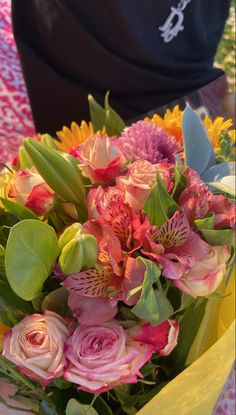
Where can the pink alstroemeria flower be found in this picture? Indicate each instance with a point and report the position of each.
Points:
(125, 223)
(115, 274)
(81, 306)
(224, 212)
(197, 201)
(30, 190)
(101, 160)
(174, 245)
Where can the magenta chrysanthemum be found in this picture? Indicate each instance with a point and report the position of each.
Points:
(143, 140)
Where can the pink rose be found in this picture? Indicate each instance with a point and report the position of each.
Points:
(36, 346)
(102, 357)
(100, 159)
(138, 181)
(161, 338)
(30, 190)
(206, 275)
(100, 197)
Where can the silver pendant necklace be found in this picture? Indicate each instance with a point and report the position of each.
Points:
(174, 22)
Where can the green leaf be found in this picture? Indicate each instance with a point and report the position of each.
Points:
(218, 237)
(12, 308)
(151, 205)
(160, 206)
(113, 122)
(56, 301)
(37, 302)
(31, 248)
(97, 114)
(180, 181)
(147, 307)
(7, 220)
(188, 329)
(148, 368)
(102, 407)
(152, 305)
(24, 158)
(76, 408)
(58, 173)
(61, 383)
(206, 223)
(164, 306)
(48, 141)
(20, 211)
(186, 301)
(199, 152)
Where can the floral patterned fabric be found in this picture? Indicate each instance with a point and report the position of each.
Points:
(15, 114)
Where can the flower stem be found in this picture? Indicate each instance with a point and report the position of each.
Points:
(15, 375)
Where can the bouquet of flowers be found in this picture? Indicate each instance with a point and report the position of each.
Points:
(113, 240)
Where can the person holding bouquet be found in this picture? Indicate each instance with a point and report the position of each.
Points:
(148, 54)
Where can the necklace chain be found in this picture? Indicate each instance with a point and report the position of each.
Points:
(174, 22)
(183, 4)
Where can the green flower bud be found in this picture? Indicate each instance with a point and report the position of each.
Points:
(79, 253)
(71, 232)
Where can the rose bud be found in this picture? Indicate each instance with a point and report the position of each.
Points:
(30, 190)
(161, 338)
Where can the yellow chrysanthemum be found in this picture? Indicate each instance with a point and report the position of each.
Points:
(73, 136)
(216, 126)
(3, 330)
(171, 122)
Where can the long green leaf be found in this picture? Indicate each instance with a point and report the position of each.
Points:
(20, 211)
(113, 122)
(188, 329)
(97, 114)
(60, 175)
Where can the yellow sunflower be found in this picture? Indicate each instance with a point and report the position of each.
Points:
(73, 136)
(171, 122)
(216, 126)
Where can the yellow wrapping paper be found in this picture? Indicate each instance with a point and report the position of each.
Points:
(195, 391)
